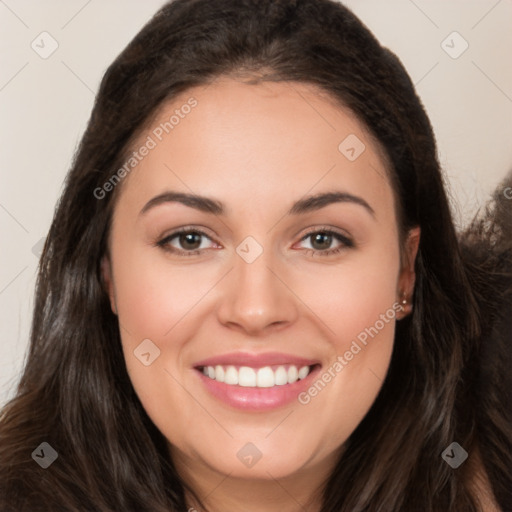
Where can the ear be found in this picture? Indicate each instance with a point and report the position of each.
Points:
(106, 274)
(407, 276)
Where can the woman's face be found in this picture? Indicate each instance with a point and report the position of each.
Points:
(270, 284)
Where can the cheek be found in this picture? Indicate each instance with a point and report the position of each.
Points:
(358, 304)
(352, 296)
(154, 302)
(152, 295)
(159, 303)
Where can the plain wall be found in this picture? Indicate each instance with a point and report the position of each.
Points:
(45, 104)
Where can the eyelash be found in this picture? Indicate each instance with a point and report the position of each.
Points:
(346, 242)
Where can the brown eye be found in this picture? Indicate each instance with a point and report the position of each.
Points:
(321, 241)
(190, 240)
(185, 242)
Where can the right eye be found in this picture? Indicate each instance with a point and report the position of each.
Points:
(189, 239)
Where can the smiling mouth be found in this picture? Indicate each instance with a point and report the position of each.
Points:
(264, 377)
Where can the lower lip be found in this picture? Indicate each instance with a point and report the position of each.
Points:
(257, 399)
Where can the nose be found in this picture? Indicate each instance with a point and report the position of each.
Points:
(256, 298)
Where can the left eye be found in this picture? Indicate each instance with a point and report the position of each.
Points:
(325, 238)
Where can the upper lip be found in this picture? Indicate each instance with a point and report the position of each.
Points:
(256, 360)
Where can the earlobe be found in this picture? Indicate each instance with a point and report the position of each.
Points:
(106, 275)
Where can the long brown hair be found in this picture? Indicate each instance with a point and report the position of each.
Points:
(75, 393)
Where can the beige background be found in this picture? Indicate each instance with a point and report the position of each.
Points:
(45, 103)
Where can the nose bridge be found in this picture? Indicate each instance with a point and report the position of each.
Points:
(256, 297)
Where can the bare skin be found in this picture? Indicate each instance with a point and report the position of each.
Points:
(258, 149)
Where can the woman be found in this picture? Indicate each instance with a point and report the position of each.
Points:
(248, 370)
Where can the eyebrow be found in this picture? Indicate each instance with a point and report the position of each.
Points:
(304, 205)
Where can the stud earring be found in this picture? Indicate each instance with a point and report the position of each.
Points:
(403, 304)
(402, 312)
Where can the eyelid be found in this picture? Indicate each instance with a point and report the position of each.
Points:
(326, 229)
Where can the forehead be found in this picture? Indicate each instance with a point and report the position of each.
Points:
(258, 144)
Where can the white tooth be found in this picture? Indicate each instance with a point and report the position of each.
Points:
(231, 375)
(246, 377)
(219, 373)
(303, 372)
(265, 377)
(293, 374)
(281, 376)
